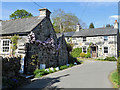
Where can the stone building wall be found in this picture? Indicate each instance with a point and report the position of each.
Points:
(42, 32)
(99, 40)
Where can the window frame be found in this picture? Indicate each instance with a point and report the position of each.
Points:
(84, 39)
(106, 50)
(2, 41)
(84, 49)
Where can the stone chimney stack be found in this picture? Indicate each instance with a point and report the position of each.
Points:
(78, 27)
(116, 24)
(44, 12)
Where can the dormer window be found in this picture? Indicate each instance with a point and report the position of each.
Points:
(105, 38)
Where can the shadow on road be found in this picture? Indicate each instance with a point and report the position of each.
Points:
(45, 82)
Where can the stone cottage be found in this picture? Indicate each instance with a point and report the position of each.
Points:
(102, 41)
(43, 31)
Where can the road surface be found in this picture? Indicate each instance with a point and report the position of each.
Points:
(90, 74)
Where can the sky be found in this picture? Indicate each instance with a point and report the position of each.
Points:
(99, 13)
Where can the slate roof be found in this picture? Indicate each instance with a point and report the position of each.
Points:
(20, 25)
(92, 32)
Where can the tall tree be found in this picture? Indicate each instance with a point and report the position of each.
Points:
(91, 25)
(65, 22)
(20, 14)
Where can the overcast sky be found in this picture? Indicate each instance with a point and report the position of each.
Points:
(100, 13)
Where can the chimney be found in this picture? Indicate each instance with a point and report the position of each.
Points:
(78, 27)
(44, 12)
(116, 24)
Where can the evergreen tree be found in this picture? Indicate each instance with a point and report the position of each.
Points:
(91, 25)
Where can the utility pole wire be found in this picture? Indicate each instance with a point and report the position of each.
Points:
(37, 4)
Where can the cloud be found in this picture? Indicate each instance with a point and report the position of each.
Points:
(115, 17)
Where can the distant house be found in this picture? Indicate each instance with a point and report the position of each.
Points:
(102, 41)
(42, 27)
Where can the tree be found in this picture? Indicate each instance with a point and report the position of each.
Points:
(108, 25)
(20, 14)
(91, 25)
(65, 22)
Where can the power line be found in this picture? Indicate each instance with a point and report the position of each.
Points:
(37, 4)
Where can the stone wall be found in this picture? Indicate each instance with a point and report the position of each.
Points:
(48, 57)
(99, 40)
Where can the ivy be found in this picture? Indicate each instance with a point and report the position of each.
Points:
(14, 40)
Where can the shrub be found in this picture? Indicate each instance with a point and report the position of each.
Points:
(71, 65)
(82, 55)
(63, 67)
(40, 72)
(50, 71)
(71, 59)
(110, 59)
(76, 52)
(88, 55)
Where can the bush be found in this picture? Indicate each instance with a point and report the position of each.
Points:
(71, 65)
(40, 72)
(63, 67)
(110, 59)
(50, 71)
(71, 59)
(82, 55)
(88, 55)
(76, 52)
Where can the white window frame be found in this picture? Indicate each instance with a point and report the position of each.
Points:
(6, 46)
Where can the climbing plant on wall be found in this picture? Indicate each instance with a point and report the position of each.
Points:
(14, 40)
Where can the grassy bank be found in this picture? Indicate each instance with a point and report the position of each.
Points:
(114, 78)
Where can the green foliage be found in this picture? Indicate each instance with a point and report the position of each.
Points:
(82, 55)
(50, 71)
(14, 40)
(76, 52)
(115, 79)
(88, 55)
(64, 22)
(110, 59)
(71, 65)
(63, 67)
(108, 25)
(91, 25)
(20, 14)
(35, 60)
(40, 72)
(70, 47)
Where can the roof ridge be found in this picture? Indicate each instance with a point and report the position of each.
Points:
(18, 19)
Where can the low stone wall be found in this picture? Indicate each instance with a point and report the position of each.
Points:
(10, 66)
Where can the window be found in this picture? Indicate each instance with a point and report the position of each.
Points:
(5, 45)
(105, 38)
(105, 49)
(84, 39)
(84, 50)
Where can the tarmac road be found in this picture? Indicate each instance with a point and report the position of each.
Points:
(90, 74)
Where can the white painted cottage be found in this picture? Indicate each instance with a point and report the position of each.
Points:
(104, 41)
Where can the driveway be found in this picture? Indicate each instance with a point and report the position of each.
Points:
(90, 74)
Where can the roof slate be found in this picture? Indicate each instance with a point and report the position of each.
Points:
(92, 32)
(20, 25)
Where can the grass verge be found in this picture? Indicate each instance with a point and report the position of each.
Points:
(114, 78)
